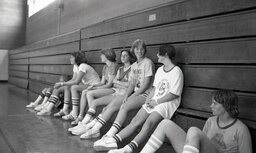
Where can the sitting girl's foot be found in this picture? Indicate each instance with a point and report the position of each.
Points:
(39, 107)
(31, 105)
(60, 113)
(78, 119)
(44, 112)
(69, 117)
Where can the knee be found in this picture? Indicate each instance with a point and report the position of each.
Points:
(84, 92)
(89, 94)
(194, 133)
(67, 88)
(124, 108)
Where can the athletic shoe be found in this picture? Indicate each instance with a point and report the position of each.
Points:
(81, 130)
(106, 144)
(90, 134)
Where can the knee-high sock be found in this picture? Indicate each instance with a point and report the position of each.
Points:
(152, 145)
(100, 123)
(89, 115)
(190, 149)
(114, 129)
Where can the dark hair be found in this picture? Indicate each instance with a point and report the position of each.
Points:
(167, 49)
(79, 57)
(131, 57)
(109, 54)
(138, 44)
(229, 100)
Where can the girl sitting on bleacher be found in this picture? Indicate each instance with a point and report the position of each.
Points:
(222, 133)
(83, 77)
(108, 56)
(44, 96)
(162, 102)
(140, 82)
(113, 101)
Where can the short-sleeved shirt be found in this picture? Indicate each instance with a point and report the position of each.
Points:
(122, 75)
(90, 77)
(107, 71)
(167, 82)
(233, 139)
(141, 70)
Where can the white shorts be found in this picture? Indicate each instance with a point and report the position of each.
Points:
(166, 110)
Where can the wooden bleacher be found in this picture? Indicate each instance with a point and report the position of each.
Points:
(215, 42)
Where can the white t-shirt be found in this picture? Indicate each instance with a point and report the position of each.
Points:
(168, 82)
(164, 83)
(90, 77)
(233, 139)
(141, 70)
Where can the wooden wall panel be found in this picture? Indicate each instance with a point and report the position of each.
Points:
(201, 99)
(226, 26)
(224, 51)
(56, 59)
(37, 87)
(180, 11)
(44, 77)
(23, 83)
(19, 61)
(230, 77)
(53, 69)
(20, 74)
(60, 49)
(53, 41)
(19, 67)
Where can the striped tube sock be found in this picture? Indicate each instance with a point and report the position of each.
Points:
(190, 149)
(54, 99)
(133, 145)
(48, 94)
(152, 145)
(100, 123)
(42, 95)
(89, 115)
(75, 102)
(114, 129)
(117, 138)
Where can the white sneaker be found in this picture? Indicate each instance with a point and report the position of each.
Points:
(81, 130)
(43, 112)
(96, 143)
(39, 107)
(121, 150)
(31, 105)
(75, 127)
(106, 144)
(90, 134)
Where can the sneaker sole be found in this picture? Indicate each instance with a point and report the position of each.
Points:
(103, 148)
(91, 136)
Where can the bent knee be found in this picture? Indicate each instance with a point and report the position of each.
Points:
(194, 132)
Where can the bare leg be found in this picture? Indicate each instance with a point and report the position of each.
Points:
(198, 139)
(166, 129)
(93, 94)
(75, 91)
(112, 107)
(153, 120)
(138, 120)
